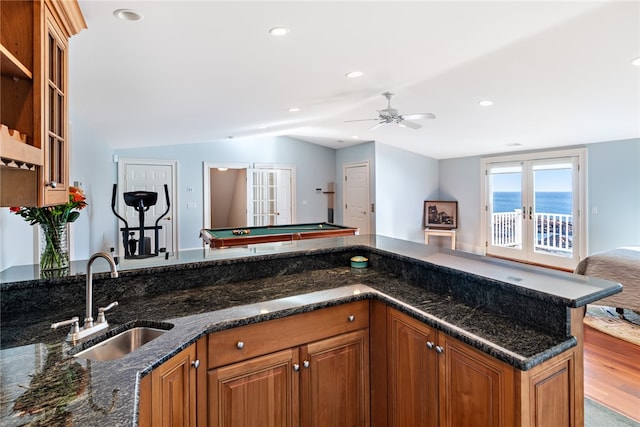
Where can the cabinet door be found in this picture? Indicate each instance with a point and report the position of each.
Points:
(257, 392)
(412, 372)
(335, 381)
(55, 171)
(475, 389)
(173, 393)
(549, 397)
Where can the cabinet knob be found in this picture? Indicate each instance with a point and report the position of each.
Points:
(195, 363)
(296, 367)
(439, 349)
(430, 345)
(240, 345)
(305, 363)
(351, 318)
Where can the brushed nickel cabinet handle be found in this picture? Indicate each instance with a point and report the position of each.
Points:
(240, 345)
(296, 367)
(351, 318)
(195, 363)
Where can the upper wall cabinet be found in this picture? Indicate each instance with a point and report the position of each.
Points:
(34, 124)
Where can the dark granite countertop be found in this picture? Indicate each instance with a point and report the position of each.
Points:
(40, 383)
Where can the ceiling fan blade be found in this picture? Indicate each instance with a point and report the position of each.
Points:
(360, 120)
(409, 124)
(419, 116)
(376, 126)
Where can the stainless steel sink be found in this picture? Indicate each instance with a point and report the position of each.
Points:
(123, 343)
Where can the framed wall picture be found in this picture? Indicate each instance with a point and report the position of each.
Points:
(440, 214)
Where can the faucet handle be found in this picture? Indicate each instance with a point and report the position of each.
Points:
(73, 322)
(75, 327)
(101, 310)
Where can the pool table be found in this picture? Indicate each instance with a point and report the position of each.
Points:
(224, 237)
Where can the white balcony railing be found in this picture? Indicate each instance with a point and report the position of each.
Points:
(553, 232)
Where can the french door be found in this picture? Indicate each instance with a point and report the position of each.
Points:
(269, 196)
(533, 205)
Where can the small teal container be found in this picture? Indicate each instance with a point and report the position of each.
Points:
(359, 262)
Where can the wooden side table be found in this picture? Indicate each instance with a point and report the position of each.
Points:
(439, 232)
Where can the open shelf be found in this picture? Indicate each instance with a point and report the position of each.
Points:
(11, 66)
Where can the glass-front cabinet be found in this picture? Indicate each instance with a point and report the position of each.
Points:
(34, 134)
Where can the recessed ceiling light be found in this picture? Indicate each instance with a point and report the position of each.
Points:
(279, 31)
(223, 169)
(127, 15)
(355, 137)
(513, 144)
(636, 62)
(354, 74)
(485, 103)
(294, 110)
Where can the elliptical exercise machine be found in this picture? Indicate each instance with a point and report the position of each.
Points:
(141, 201)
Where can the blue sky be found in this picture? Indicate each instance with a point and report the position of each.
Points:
(545, 180)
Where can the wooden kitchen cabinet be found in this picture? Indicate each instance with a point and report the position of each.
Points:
(34, 131)
(260, 391)
(170, 396)
(320, 378)
(334, 385)
(435, 380)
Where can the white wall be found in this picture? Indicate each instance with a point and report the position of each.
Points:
(92, 164)
(459, 179)
(315, 166)
(403, 181)
(400, 182)
(614, 192)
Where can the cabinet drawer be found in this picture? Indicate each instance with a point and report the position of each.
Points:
(237, 344)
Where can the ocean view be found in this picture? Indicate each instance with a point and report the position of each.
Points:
(558, 202)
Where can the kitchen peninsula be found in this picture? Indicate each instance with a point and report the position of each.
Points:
(525, 322)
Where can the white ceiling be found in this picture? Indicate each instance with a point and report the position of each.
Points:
(559, 73)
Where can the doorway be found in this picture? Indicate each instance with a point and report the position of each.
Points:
(533, 205)
(245, 195)
(148, 175)
(356, 207)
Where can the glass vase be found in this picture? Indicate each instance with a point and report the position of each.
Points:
(54, 247)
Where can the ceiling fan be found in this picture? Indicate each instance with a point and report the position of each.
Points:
(391, 115)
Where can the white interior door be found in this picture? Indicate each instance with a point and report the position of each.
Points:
(148, 175)
(269, 196)
(356, 197)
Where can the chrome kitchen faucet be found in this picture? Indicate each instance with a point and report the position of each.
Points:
(101, 323)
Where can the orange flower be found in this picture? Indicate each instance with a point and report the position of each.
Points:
(52, 215)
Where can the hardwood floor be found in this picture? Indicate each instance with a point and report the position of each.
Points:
(612, 372)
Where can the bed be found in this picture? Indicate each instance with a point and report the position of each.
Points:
(619, 265)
